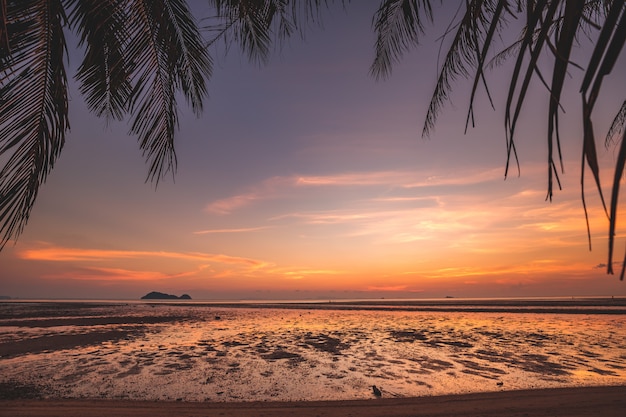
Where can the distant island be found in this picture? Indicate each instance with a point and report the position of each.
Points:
(4, 297)
(155, 295)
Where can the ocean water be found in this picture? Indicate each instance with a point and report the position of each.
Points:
(208, 352)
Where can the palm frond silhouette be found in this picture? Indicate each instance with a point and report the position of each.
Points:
(551, 29)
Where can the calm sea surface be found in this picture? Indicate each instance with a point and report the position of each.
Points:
(200, 352)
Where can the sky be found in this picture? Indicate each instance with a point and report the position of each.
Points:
(305, 178)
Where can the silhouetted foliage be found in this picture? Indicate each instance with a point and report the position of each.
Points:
(551, 29)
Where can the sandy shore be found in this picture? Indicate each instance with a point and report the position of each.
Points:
(571, 402)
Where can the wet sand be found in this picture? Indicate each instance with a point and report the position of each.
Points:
(570, 402)
(87, 358)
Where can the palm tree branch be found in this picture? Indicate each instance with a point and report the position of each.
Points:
(249, 23)
(534, 46)
(481, 53)
(610, 47)
(619, 172)
(398, 24)
(4, 34)
(104, 75)
(255, 24)
(617, 126)
(193, 66)
(461, 55)
(565, 40)
(33, 130)
(153, 97)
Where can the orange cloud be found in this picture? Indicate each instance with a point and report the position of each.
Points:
(121, 274)
(459, 178)
(390, 288)
(535, 268)
(303, 273)
(391, 178)
(60, 254)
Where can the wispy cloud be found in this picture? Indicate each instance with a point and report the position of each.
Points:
(240, 230)
(119, 265)
(390, 288)
(93, 273)
(303, 273)
(62, 254)
(276, 187)
(390, 178)
(227, 205)
(457, 178)
(268, 188)
(535, 268)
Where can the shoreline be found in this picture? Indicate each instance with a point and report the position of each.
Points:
(607, 401)
(564, 305)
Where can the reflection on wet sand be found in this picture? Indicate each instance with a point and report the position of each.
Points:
(199, 353)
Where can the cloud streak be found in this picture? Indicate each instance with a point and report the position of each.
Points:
(62, 254)
(277, 187)
(239, 230)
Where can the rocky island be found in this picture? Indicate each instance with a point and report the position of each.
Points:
(155, 295)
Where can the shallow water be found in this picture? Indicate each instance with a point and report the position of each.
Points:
(209, 353)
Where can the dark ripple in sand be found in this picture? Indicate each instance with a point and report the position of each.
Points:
(281, 354)
(541, 364)
(408, 336)
(325, 343)
(65, 341)
(89, 321)
(15, 390)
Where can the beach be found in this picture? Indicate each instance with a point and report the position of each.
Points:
(193, 359)
(570, 402)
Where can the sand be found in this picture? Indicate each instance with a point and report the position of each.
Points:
(571, 402)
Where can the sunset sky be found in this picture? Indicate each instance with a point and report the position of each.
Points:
(306, 178)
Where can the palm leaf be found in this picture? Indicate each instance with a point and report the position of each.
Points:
(4, 34)
(104, 75)
(33, 129)
(565, 40)
(481, 56)
(619, 172)
(189, 60)
(166, 53)
(255, 25)
(617, 127)
(398, 24)
(467, 51)
(249, 23)
(534, 46)
(608, 48)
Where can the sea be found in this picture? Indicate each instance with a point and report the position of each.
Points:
(306, 350)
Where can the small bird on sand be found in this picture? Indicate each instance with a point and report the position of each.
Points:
(377, 392)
